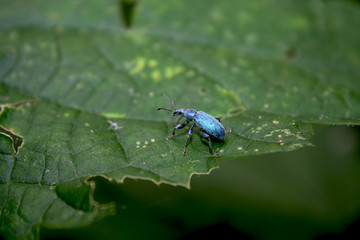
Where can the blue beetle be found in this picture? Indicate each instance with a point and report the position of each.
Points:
(210, 127)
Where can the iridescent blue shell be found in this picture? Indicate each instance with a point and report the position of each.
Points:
(210, 125)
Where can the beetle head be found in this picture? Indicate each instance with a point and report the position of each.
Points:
(178, 112)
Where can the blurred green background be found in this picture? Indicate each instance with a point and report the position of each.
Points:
(305, 194)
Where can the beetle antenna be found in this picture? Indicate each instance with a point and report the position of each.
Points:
(165, 109)
(170, 101)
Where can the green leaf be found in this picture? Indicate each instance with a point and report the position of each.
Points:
(304, 193)
(82, 92)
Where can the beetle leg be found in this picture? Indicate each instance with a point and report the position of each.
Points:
(179, 119)
(187, 141)
(218, 118)
(205, 135)
(180, 126)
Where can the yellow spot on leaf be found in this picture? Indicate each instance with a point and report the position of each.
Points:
(172, 71)
(139, 66)
(152, 63)
(114, 115)
(156, 75)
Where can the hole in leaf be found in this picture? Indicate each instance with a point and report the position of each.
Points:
(77, 193)
(17, 140)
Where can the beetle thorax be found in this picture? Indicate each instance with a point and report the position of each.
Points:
(189, 114)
